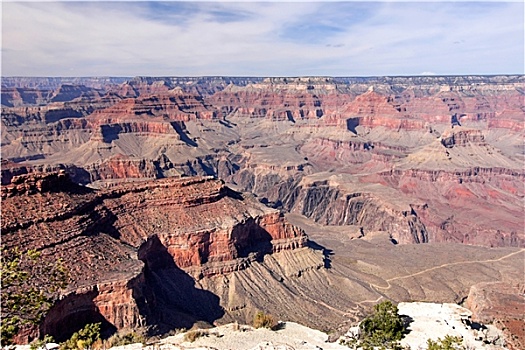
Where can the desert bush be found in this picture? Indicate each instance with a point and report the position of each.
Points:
(191, 336)
(262, 320)
(37, 344)
(124, 338)
(86, 338)
(383, 329)
(447, 343)
(29, 288)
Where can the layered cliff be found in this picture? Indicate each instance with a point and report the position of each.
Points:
(115, 241)
(340, 201)
(502, 304)
(166, 104)
(453, 145)
(23, 114)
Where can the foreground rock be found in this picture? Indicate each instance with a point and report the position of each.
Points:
(290, 336)
(501, 303)
(426, 321)
(433, 321)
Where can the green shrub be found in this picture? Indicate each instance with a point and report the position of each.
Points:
(30, 286)
(262, 320)
(383, 329)
(384, 324)
(37, 344)
(84, 338)
(447, 343)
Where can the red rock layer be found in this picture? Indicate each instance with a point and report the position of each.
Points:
(448, 193)
(172, 105)
(502, 304)
(198, 223)
(55, 111)
(281, 99)
(122, 167)
(414, 109)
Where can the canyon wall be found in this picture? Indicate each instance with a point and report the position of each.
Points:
(453, 144)
(96, 172)
(117, 242)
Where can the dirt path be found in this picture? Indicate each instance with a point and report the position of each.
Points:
(319, 302)
(381, 289)
(375, 286)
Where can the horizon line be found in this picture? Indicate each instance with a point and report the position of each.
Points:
(263, 76)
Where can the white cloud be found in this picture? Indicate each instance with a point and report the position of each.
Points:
(381, 38)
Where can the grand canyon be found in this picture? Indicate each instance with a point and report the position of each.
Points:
(175, 201)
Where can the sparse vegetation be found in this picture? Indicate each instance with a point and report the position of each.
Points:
(191, 336)
(124, 338)
(86, 338)
(381, 330)
(262, 320)
(37, 344)
(447, 343)
(25, 297)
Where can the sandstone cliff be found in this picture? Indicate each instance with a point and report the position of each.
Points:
(435, 160)
(452, 144)
(502, 304)
(117, 242)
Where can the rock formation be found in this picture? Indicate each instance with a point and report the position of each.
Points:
(451, 144)
(502, 304)
(164, 254)
(434, 160)
(114, 242)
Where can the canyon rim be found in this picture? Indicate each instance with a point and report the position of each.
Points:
(176, 201)
(183, 165)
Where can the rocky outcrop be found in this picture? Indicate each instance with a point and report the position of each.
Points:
(116, 305)
(169, 105)
(122, 167)
(109, 131)
(186, 199)
(462, 138)
(502, 304)
(43, 182)
(115, 242)
(491, 300)
(330, 204)
(11, 169)
(447, 193)
(16, 97)
(50, 112)
(68, 92)
(357, 151)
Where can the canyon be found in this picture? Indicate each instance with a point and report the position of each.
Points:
(177, 200)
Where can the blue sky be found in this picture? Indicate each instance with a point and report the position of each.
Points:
(196, 38)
